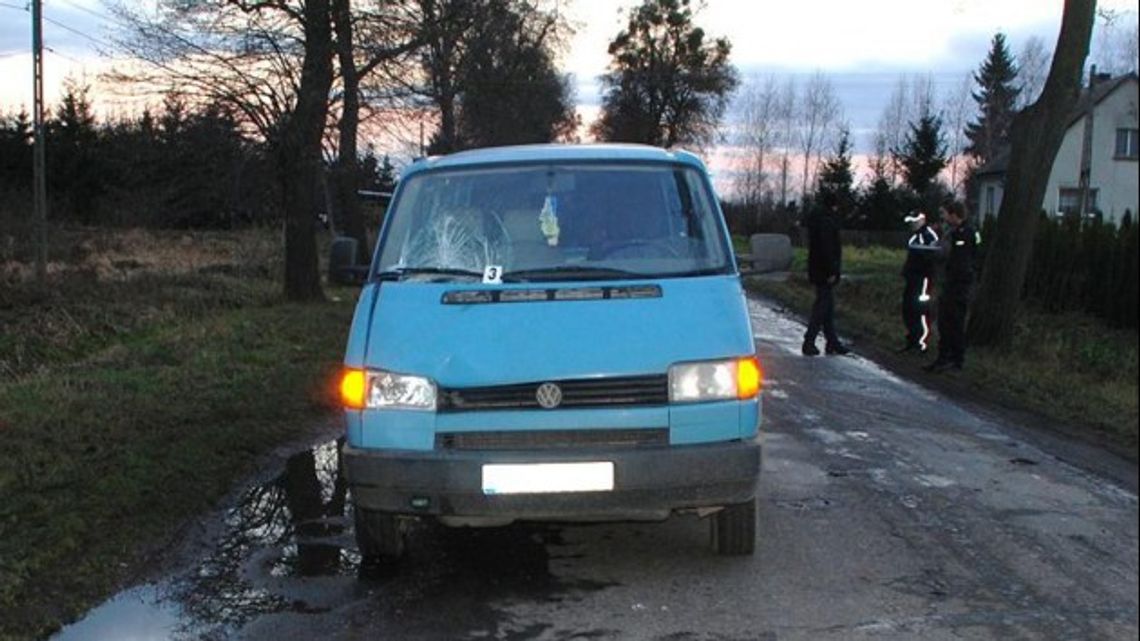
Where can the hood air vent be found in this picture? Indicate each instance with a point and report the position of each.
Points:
(484, 296)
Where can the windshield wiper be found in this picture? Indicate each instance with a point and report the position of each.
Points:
(708, 271)
(571, 272)
(400, 272)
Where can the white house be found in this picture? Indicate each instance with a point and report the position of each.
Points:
(1102, 143)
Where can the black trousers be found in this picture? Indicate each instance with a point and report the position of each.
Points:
(822, 315)
(952, 310)
(916, 310)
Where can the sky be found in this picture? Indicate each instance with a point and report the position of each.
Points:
(862, 46)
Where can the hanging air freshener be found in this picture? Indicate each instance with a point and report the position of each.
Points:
(548, 220)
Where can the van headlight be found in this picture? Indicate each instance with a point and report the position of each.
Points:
(377, 389)
(729, 379)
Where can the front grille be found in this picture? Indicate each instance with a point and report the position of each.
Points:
(551, 439)
(579, 393)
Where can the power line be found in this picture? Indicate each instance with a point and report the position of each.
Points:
(61, 25)
(65, 56)
(88, 10)
(74, 31)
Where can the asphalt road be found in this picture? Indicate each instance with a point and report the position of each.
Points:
(886, 512)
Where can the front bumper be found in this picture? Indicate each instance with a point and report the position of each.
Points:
(649, 483)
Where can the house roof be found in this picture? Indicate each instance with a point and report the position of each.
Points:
(1088, 99)
(996, 166)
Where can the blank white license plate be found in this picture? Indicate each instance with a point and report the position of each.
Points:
(546, 478)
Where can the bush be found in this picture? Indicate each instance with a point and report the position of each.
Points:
(765, 217)
(1085, 266)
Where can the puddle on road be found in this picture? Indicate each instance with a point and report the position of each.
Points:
(287, 546)
(293, 526)
(141, 613)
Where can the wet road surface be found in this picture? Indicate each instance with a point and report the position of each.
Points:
(886, 512)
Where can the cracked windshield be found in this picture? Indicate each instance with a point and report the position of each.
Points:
(567, 221)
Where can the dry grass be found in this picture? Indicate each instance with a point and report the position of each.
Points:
(115, 255)
(149, 374)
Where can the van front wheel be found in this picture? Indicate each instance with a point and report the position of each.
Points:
(733, 529)
(379, 535)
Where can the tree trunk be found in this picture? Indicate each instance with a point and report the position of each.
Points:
(784, 180)
(447, 123)
(1035, 136)
(346, 171)
(299, 158)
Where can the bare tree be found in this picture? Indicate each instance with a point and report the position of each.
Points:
(388, 36)
(759, 124)
(785, 132)
(1032, 65)
(922, 96)
(818, 113)
(956, 105)
(1130, 47)
(892, 128)
(211, 52)
(299, 148)
(1115, 49)
(272, 63)
(1035, 137)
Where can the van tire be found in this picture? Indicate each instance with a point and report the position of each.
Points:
(734, 530)
(380, 536)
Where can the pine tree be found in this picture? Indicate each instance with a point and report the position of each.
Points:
(386, 177)
(15, 150)
(71, 142)
(836, 178)
(880, 206)
(996, 96)
(923, 156)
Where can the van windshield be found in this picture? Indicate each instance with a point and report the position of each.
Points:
(556, 222)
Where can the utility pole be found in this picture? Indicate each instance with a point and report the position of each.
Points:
(40, 185)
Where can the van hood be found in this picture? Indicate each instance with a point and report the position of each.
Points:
(413, 331)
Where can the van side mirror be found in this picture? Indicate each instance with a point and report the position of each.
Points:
(343, 268)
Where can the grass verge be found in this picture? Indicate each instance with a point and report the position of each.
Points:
(1073, 370)
(129, 404)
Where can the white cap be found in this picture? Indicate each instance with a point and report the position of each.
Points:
(916, 217)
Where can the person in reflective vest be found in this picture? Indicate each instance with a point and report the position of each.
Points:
(960, 245)
(918, 272)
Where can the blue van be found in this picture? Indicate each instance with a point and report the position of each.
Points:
(552, 333)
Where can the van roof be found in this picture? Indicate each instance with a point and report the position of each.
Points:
(554, 153)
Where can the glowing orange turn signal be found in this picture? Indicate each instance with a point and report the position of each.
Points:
(352, 389)
(749, 378)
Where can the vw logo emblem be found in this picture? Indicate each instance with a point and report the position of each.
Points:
(548, 395)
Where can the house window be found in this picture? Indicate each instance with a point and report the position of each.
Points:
(990, 198)
(1128, 143)
(1070, 201)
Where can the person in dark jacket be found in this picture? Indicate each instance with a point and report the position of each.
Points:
(960, 244)
(918, 272)
(824, 261)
